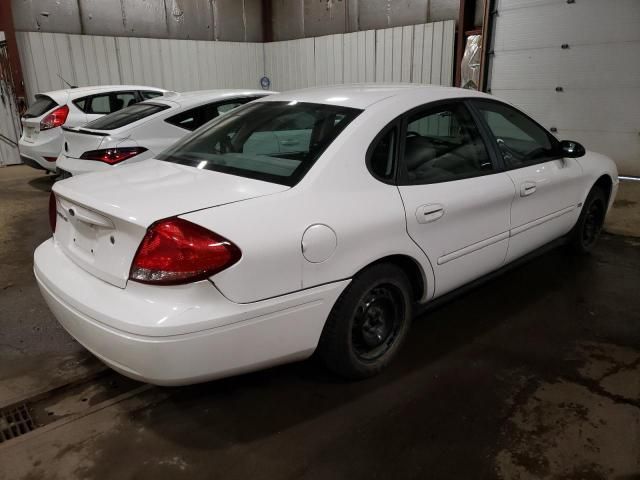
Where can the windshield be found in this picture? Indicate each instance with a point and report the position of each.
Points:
(126, 116)
(276, 142)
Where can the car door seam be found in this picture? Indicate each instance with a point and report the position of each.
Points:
(406, 229)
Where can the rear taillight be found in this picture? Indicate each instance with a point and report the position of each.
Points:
(55, 118)
(176, 251)
(53, 213)
(113, 155)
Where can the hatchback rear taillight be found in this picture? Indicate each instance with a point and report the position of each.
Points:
(175, 251)
(55, 118)
(53, 213)
(113, 155)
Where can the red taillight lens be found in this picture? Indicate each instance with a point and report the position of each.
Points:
(176, 251)
(113, 155)
(55, 118)
(53, 213)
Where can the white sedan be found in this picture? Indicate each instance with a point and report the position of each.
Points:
(309, 221)
(41, 140)
(143, 130)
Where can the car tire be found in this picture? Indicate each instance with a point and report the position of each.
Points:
(368, 323)
(587, 229)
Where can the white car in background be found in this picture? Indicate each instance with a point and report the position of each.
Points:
(41, 140)
(143, 130)
(231, 252)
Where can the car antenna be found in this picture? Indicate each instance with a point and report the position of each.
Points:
(68, 84)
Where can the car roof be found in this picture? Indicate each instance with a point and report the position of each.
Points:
(81, 91)
(198, 97)
(363, 95)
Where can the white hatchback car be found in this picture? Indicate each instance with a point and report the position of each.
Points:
(41, 140)
(144, 130)
(309, 221)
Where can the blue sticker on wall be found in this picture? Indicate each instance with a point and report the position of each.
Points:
(265, 83)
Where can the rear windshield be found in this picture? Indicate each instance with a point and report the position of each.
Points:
(41, 105)
(126, 116)
(272, 141)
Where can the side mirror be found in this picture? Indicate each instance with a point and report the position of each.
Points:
(571, 149)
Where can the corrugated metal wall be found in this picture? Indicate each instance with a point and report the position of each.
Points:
(180, 65)
(9, 119)
(589, 90)
(415, 53)
(420, 53)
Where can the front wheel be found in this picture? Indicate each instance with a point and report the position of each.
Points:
(587, 230)
(368, 323)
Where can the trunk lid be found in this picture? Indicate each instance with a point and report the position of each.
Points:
(103, 216)
(78, 140)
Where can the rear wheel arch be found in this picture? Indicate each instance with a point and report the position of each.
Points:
(411, 269)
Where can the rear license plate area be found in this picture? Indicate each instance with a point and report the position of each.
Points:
(84, 237)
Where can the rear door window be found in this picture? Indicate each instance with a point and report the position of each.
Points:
(126, 116)
(98, 104)
(442, 144)
(42, 105)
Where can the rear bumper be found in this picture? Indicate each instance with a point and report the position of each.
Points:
(36, 152)
(183, 334)
(76, 166)
(32, 163)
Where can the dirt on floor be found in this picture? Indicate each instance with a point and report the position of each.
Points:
(534, 375)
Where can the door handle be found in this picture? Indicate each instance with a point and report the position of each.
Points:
(289, 143)
(527, 188)
(429, 213)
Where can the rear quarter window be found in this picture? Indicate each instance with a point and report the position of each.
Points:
(40, 106)
(126, 116)
(147, 94)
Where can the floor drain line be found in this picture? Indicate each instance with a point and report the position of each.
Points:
(14, 422)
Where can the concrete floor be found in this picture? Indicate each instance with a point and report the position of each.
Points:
(534, 375)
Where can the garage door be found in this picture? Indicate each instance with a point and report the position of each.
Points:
(574, 65)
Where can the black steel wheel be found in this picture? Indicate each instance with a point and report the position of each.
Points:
(587, 230)
(368, 323)
(377, 321)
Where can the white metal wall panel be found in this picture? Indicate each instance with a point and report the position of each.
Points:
(414, 53)
(420, 53)
(291, 64)
(598, 73)
(180, 65)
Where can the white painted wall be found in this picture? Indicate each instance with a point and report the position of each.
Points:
(599, 72)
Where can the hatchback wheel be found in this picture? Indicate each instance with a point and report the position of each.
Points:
(589, 226)
(368, 323)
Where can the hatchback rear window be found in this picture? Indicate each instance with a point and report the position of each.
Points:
(272, 141)
(126, 116)
(41, 105)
